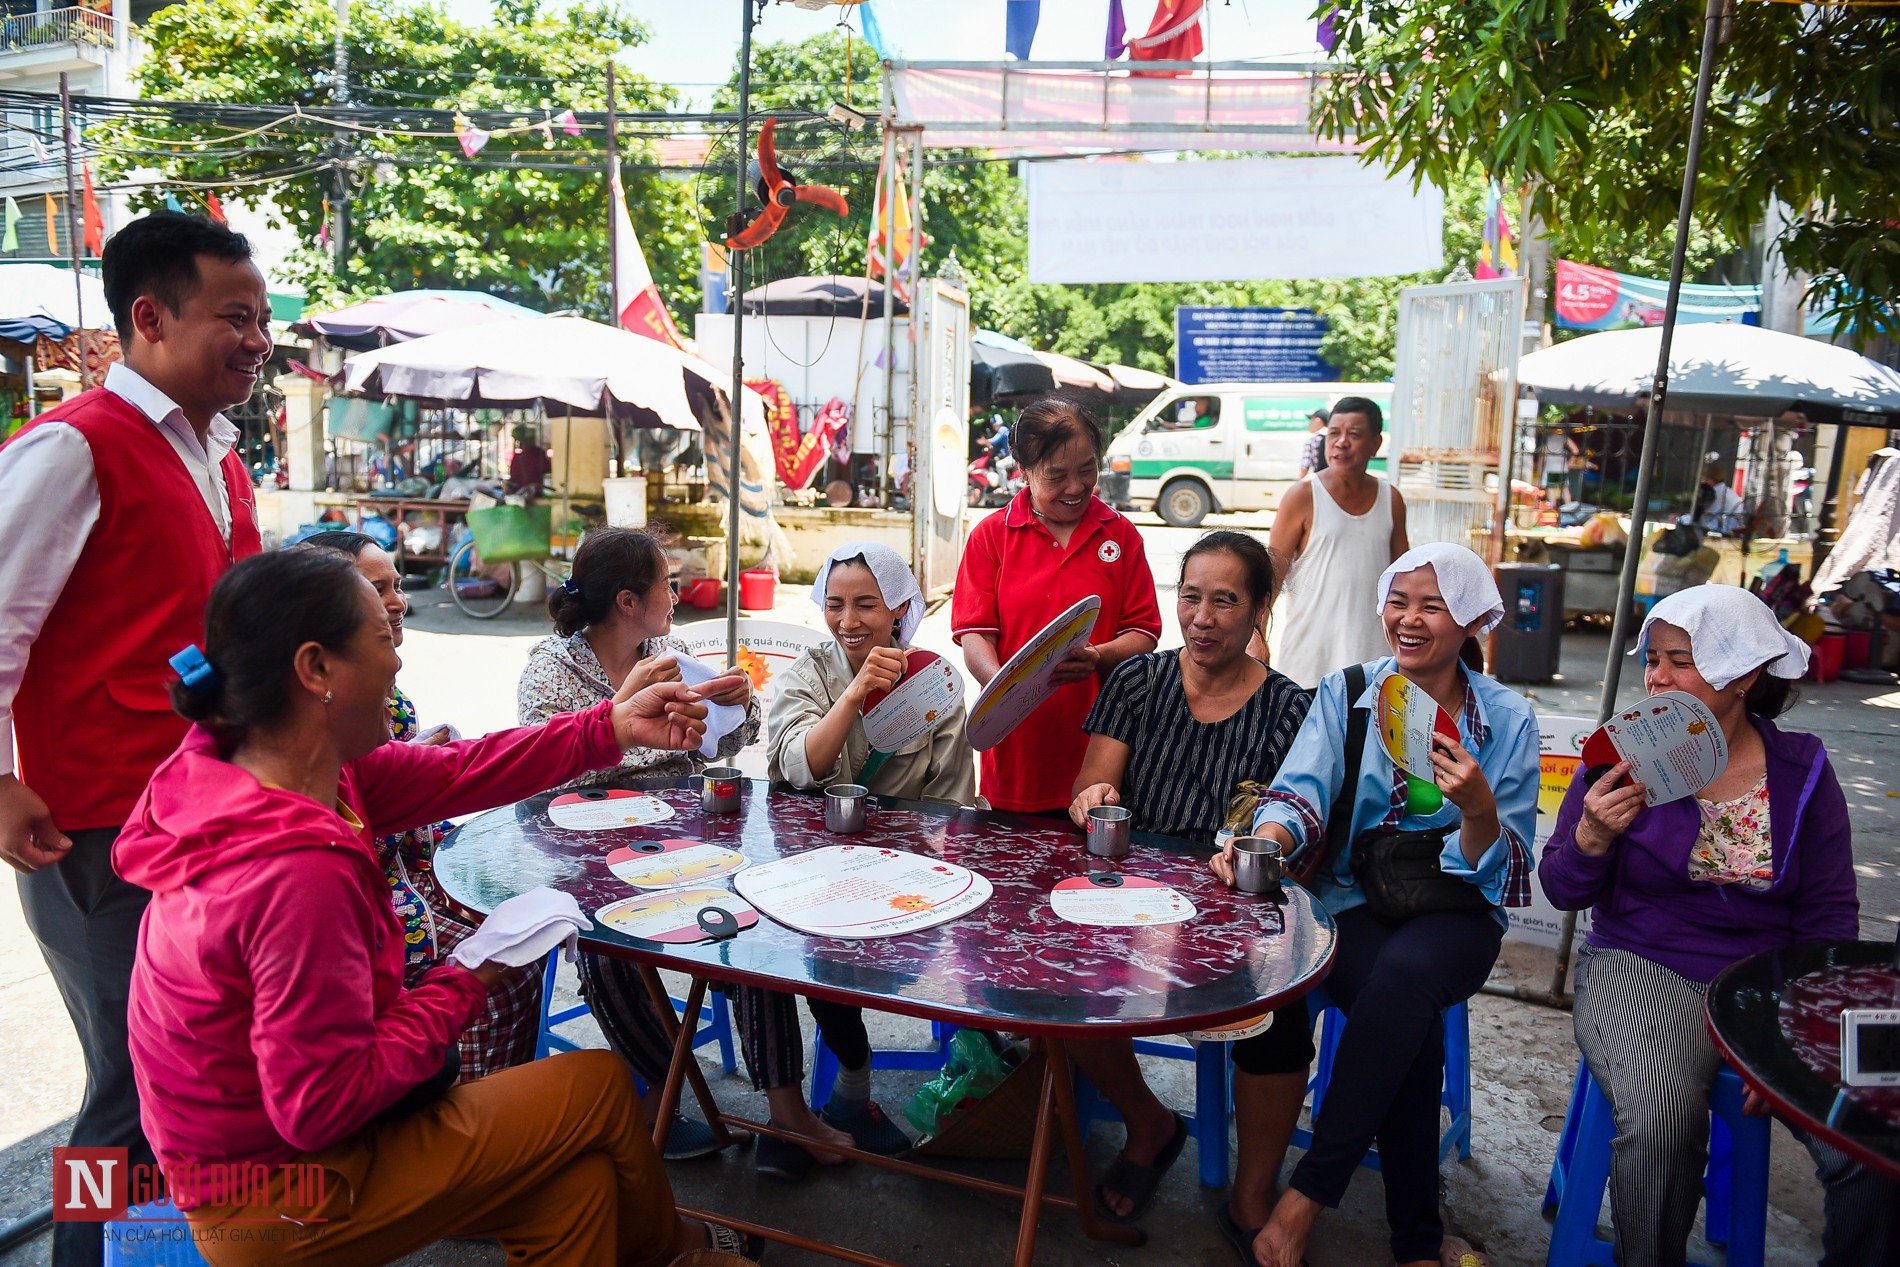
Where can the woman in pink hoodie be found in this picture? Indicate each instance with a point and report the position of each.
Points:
(293, 1090)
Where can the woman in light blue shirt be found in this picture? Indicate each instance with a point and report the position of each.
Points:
(1392, 975)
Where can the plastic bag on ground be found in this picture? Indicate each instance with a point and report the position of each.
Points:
(973, 1070)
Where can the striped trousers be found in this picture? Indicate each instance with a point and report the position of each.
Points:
(1644, 1037)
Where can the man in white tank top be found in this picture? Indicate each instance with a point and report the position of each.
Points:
(1341, 527)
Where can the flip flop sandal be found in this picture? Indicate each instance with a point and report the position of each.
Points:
(1241, 1238)
(1138, 1182)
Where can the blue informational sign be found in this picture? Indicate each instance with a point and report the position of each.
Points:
(1249, 345)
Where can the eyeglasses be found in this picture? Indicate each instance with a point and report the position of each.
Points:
(674, 585)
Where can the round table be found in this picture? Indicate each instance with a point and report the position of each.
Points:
(1776, 1018)
(1009, 965)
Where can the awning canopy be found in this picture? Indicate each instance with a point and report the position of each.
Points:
(568, 365)
(830, 296)
(38, 299)
(1719, 368)
(408, 314)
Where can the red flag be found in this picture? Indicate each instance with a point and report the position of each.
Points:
(214, 207)
(641, 308)
(1173, 36)
(95, 224)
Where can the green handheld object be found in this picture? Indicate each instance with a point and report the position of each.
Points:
(1422, 796)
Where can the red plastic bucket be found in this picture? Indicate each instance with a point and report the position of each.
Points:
(702, 593)
(758, 589)
(1825, 665)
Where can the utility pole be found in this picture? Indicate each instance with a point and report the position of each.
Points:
(73, 242)
(613, 204)
(737, 401)
(340, 171)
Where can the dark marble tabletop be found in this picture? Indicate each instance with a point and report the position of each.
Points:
(1776, 1016)
(1010, 964)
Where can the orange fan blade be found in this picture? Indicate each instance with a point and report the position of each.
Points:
(830, 199)
(756, 233)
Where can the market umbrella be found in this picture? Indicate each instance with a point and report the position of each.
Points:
(38, 299)
(835, 296)
(1001, 366)
(1070, 372)
(569, 365)
(408, 314)
(1719, 367)
(1138, 386)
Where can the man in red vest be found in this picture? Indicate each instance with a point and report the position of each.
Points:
(120, 508)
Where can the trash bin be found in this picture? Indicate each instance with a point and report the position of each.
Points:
(1526, 645)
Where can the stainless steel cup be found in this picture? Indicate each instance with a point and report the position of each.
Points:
(845, 807)
(1110, 827)
(1257, 866)
(719, 790)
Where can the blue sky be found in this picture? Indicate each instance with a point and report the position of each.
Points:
(695, 42)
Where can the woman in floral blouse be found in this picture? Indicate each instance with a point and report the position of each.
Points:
(504, 1034)
(1759, 859)
(611, 621)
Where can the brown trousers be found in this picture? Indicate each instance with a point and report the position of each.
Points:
(553, 1159)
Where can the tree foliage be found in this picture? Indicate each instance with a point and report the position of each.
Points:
(1588, 103)
(422, 214)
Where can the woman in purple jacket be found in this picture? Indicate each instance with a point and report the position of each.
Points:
(1757, 860)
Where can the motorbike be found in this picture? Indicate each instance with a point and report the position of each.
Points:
(994, 483)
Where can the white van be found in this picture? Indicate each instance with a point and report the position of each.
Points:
(1224, 446)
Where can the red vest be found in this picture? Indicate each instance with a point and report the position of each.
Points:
(93, 717)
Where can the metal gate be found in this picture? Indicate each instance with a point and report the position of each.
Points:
(940, 440)
(1454, 405)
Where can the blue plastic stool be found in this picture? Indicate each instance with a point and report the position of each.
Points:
(824, 1062)
(717, 1030)
(1735, 1204)
(151, 1235)
(1213, 1101)
(1456, 1095)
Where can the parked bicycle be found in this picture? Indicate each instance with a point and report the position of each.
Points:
(504, 543)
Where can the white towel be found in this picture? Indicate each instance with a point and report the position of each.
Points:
(721, 719)
(1464, 581)
(1731, 634)
(523, 929)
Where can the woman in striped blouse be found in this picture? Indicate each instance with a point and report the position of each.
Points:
(1171, 737)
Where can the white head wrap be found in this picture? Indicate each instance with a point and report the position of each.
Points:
(1463, 579)
(894, 582)
(1731, 634)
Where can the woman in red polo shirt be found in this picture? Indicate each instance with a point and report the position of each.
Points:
(1054, 545)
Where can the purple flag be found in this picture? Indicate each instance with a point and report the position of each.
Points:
(1117, 42)
(1329, 32)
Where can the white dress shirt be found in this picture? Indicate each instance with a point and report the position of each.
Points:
(49, 502)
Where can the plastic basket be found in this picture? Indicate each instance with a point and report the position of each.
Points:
(505, 534)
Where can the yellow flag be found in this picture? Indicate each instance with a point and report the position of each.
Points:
(52, 234)
(892, 224)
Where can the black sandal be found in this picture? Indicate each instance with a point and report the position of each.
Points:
(1136, 1181)
(1241, 1238)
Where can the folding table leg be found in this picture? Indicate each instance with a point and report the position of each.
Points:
(685, 1064)
(1093, 1226)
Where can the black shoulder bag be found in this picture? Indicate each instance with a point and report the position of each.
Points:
(1397, 868)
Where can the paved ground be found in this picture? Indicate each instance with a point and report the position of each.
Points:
(1523, 1056)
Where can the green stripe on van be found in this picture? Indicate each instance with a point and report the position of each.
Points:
(1155, 468)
